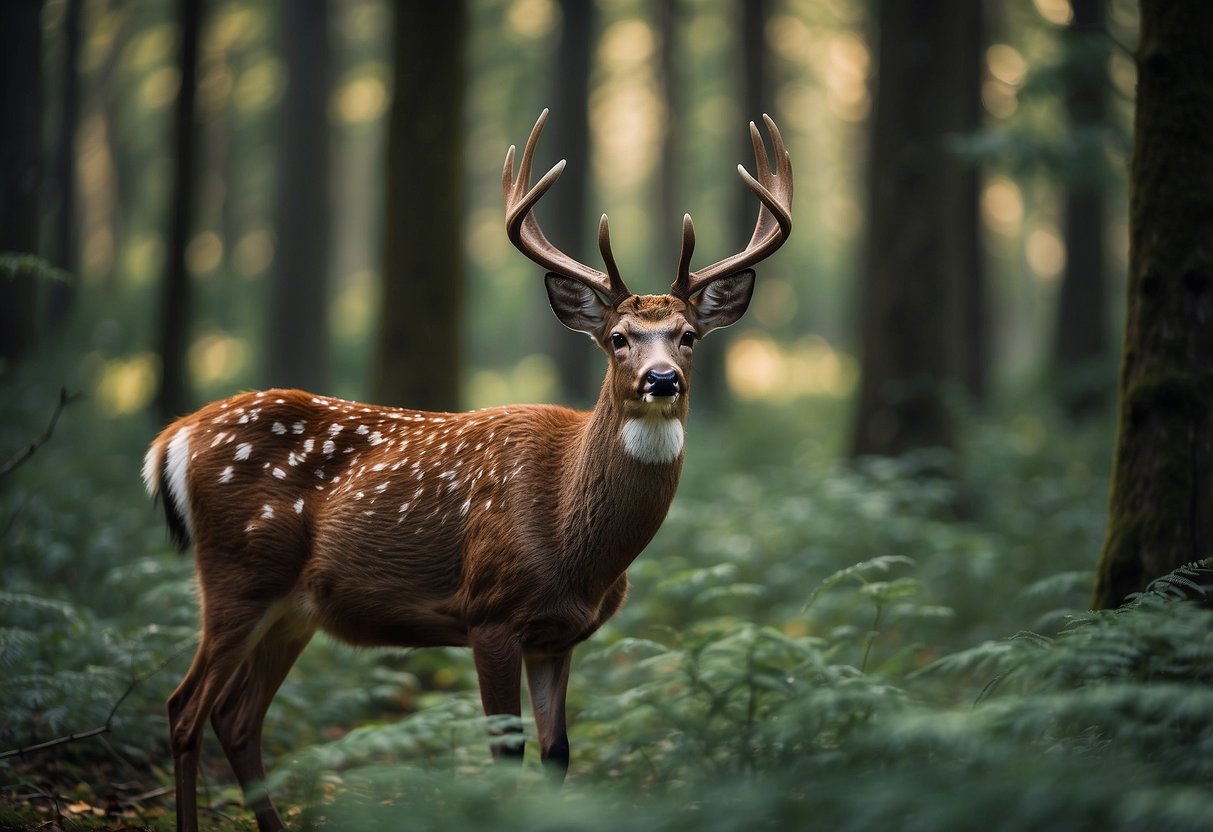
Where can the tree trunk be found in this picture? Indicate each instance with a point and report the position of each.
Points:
(1161, 505)
(20, 168)
(297, 348)
(66, 223)
(173, 399)
(420, 344)
(1081, 340)
(918, 295)
(568, 130)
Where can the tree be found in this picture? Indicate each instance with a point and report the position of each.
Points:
(20, 168)
(173, 397)
(565, 212)
(418, 351)
(297, 348)
(1161, 504)
(1081, 334)
(920, 292)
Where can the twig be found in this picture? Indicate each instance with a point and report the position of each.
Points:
(25, 453)
(109, 720)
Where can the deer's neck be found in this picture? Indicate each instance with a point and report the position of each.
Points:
(622, 476)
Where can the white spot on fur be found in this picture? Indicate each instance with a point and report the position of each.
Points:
(219, 437)
(308, 445)
(278, 428)
(267, 511)
(297, 428)
(335, 429)
(299, 506)
(363, 430)
(243, 450)
(279, 473)
(329, 447)
(226, 476)
(653, 441)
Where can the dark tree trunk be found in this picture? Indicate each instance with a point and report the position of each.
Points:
(20, 168)
(920, 281)
(418, 358)
(1161, 505)
(564, 208)
(173, 398)
(66, 222)
(297, 351)
(1081, 340)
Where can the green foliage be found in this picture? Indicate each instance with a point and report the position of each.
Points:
(13, 265)
(807, 645)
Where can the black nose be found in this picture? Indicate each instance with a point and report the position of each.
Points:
(661, 383)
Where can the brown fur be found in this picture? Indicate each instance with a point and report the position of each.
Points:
(518, 525)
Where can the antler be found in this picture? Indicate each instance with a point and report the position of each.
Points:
(526, 235)
(770, 232)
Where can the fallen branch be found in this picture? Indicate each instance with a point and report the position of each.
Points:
(25, 453)
(109, 720)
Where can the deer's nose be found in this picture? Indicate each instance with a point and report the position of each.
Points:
(661, 383)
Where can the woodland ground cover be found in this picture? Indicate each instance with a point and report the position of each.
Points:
(807, 644)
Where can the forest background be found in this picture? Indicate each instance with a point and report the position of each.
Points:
(869, 602)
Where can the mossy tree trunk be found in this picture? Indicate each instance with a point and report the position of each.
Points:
(1161, 504)
(921, 337)
(418, 357)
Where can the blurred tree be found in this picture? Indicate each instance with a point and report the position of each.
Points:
(922, 330)
(20, 167)
(173, 397)
(1081, 337)
(297, 348)
(1161, 506)
(64, 244)
(418, 355)
(564, 207)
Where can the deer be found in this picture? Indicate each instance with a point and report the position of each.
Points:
(508, 530)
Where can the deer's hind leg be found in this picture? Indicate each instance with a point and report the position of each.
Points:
(239, 714)
(230, 629)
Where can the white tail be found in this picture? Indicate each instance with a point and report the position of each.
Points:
(508, 530)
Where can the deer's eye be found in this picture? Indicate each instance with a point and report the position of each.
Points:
(618, 341)
(688, 339)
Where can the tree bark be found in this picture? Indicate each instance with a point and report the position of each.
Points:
(1161, 504)
(20, 168)
(297, 349)
(419, 351)
(921, 275)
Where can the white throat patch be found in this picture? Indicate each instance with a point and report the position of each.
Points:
(654, 440)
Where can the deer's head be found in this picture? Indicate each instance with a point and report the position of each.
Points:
(649, 339)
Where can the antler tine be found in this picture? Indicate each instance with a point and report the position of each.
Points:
(774, 224)
(524, 232)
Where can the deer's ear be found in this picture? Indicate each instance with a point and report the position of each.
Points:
(576, 305)
(723, 301)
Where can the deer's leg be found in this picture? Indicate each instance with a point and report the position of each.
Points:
(240, 712)
(548, 682)
(227, 631)
(498, 657)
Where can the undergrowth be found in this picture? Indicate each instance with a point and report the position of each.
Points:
(806, 645)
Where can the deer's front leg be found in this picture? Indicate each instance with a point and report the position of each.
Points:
(497, 652)
(548, 682)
